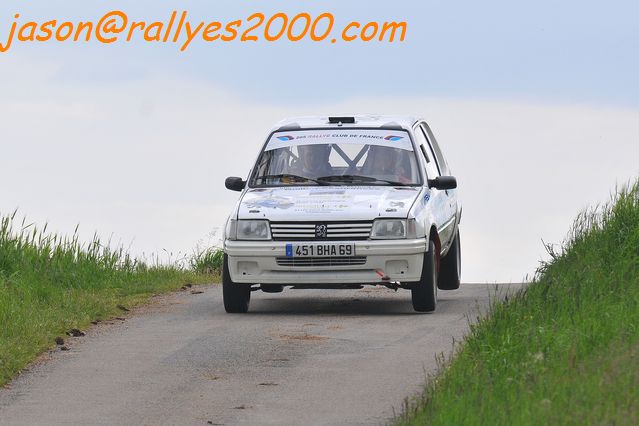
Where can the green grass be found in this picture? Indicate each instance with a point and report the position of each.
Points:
(50, 284)
(207, 261)
(565, 350)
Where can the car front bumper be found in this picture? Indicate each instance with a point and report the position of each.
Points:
(256, 262)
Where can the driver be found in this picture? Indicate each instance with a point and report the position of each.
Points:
(312, 161)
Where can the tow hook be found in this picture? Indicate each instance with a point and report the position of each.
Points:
(382, 275)
(394, 285)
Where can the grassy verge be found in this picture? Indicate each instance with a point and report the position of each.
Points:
(565, 350)
(50, 284)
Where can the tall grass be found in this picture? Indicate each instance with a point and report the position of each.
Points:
(565, 350)
(50, 284)
(207, 261)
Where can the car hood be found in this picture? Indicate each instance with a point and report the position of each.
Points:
(327, 203)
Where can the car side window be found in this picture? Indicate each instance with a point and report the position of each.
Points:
(441, 161)
(431, 167)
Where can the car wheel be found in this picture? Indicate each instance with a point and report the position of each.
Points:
(450, 271)
(424, 292)
(236, 296)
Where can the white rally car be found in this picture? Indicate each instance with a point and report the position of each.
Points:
(342, 202)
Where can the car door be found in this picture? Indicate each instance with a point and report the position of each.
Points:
(449, 202)
(437, 199)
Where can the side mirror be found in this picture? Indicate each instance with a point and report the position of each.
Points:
(235, 184)
(443, 182)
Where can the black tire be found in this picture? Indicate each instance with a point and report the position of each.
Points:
(272, 288)
(236, 296)
(450, 270)
(424, 292)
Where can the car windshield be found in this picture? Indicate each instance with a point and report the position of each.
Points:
(337, 157)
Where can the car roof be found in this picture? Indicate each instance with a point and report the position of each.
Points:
(368, 121)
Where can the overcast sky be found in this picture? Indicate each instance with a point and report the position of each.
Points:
(535, 106)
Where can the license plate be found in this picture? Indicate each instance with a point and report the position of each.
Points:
(320, 250)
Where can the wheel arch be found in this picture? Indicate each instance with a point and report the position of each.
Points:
(433, 236)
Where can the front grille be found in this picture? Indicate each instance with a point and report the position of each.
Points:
(321, 261)
(299, 231)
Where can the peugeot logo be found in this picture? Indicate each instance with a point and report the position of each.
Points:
(321, 231)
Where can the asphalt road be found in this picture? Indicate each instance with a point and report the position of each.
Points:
(298, 357)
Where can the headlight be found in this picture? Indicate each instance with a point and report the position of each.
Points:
(253, 230)
(388, 229)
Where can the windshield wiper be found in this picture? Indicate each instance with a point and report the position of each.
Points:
(346, 178)
(290, 176)
(354, 178)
